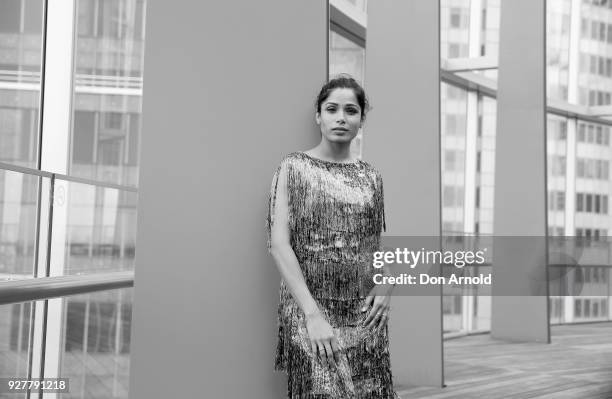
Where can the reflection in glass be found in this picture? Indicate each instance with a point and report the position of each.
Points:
(18, 205)
(106, 128)
(485, 164)
(98, 232)
(96, 350)
(15, 323)
(557, 48)
(20, 76)
(556, 174)
(453, 152)
(453, 146)
(579, 71)
(346, 56)
(359, 4)
(592, 82)
(454, 28)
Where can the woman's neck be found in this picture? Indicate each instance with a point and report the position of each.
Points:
(337, 152)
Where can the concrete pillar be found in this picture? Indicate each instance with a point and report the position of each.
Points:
(402, 139)
(229, 89)
(520, 175)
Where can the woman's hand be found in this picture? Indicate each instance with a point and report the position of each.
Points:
(379, 302)
(322, 339)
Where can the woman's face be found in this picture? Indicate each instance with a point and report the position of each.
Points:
(340, 116)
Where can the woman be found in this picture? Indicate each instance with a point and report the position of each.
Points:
(325, 219)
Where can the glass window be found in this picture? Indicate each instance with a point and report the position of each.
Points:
(456, 17)
(108, 90)
(587, 308)
(17, 319)
(100, 227)
(10, 16)
(584, 27)
(578, 307)
(560, 200)
(96, 351)
(598, 134)
(562, 130)
(449, 160)
(448, 195)
(558, 165)
(345, 56)
(581, 131)
(589, 203)
(594, 29)
(580, 167)
(20, 70)
(579, 202)
(454, 51)
(83, 145)
(18, 205)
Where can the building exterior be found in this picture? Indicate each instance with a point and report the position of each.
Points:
(88, 132)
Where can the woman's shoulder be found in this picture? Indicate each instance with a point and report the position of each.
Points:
(371, 169)
(293, 158)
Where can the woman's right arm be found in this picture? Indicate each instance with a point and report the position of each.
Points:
(321, 335)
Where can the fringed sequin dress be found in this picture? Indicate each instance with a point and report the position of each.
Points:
(336, 216)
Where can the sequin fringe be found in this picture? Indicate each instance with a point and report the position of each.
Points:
(336, 215)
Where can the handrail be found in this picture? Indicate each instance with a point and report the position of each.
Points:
(33, 289)
(35, 172)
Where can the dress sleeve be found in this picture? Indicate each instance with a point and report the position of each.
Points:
(278, 200)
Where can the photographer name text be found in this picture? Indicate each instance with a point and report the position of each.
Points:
(426, 279)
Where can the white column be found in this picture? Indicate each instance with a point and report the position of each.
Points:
(520, 167)
(56, 126)
(244, 77)
(404, 144)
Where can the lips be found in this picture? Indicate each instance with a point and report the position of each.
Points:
(340, 129)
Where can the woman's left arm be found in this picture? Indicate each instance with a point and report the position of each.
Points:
(379, 303)
(379, 299)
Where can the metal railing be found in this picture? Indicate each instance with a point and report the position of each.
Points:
(33, 289)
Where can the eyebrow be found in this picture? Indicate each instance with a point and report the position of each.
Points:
(349, 104)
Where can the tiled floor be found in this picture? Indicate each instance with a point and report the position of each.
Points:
(577, 365)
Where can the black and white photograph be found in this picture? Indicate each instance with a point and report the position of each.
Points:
(315, 199)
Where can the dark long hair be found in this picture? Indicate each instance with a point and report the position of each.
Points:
(344, 81)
